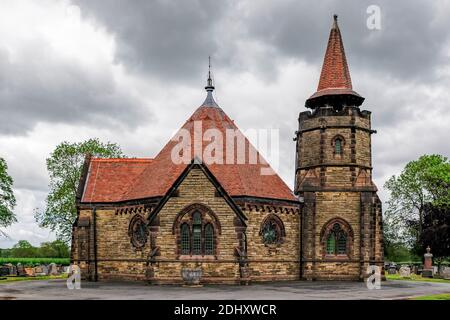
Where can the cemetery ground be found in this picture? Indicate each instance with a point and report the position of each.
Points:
(54, 288)
(8, 279)
(414, 277)
(443, 296)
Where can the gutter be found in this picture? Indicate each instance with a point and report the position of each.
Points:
(302, 201)
(94, 218)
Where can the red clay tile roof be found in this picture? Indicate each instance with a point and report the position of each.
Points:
(237, 179)
(109, 179)
(335, 76)
(124, 179)
(335, 73)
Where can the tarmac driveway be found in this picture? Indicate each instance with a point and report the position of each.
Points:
(295, 290)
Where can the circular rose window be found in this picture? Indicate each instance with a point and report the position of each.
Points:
(272, 230)
(138, 231)
(270, 233)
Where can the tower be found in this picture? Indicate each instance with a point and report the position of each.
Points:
(341, 229)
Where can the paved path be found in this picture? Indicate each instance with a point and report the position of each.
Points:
(56, 289)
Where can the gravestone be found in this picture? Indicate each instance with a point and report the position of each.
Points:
(415, 270)
(12, 269)
(405, 271)
(53, 269)
(445, 273)
(29, 271)
(392, 269)
(4, 271)
(20, 270)
(428, 264)
(44, 269)
(39, 271)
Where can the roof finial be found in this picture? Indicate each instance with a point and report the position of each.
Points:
(335, 18)
(209, 82)
(209, 101)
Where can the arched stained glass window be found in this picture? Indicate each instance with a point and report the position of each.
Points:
(331, 244)
(338, 146)
(209, 239)
(197, 218)
(342, 243)
(197, 234)
(185, 239)
(336, 241)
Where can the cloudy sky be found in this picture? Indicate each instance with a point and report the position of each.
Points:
(132, 72)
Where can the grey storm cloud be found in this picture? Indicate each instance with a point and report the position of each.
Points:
(171, 39)
(159, 51)
(408, 45)
(39, 87)
(167, 39)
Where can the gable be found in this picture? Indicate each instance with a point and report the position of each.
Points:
(197, 185)
(239, 179)
(120, 180)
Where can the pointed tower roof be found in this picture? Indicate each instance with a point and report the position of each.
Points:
(335, 84)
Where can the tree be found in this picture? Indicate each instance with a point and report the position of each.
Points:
(7, 199)
(23, 249)
(64, 166)
(54, 249)
(426, 180)
(436, 231)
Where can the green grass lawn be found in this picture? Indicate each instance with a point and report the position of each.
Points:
(15, 279)
(415, 277)
(442, 296)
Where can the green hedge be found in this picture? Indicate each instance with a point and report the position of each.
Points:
(35, 261)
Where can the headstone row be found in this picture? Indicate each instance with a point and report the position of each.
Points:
(42, 270)
(407, 270)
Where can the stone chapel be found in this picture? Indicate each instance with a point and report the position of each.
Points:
(148, 219)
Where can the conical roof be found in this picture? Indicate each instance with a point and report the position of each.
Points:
(335, 81)
(238, 179)
(239, 173)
